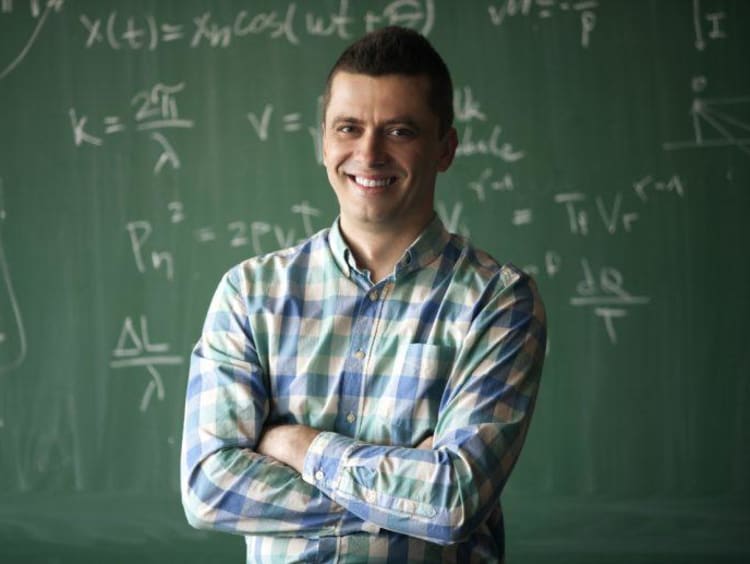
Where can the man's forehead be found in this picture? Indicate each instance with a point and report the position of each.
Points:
(396, 94)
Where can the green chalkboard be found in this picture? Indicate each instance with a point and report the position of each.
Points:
(147, 146)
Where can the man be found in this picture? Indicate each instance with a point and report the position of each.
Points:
(363, 396)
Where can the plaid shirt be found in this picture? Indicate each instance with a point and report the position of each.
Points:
(450, 345)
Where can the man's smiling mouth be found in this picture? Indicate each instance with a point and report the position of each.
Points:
(372, 182)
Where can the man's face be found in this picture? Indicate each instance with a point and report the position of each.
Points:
(382, 152)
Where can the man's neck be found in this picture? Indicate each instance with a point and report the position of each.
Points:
(378, 250)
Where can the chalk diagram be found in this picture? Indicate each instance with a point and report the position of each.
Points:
(12, 334)
(716, 122)
(40, 15)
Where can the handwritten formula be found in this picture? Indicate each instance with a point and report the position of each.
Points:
(293, 23)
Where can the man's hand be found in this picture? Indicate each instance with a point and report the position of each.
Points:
(287, 444)
(426, 444)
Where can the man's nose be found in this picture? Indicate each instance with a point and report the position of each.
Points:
(371, 149)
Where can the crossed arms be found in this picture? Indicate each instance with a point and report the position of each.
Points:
(289, 444)
(241, 475)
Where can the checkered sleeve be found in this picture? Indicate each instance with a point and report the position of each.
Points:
(442, 495)
(225, 484)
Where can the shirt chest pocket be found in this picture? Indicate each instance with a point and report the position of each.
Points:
(409, 402)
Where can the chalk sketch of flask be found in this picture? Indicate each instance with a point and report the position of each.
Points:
(12, 334)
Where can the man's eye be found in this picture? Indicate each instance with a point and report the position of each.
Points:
(401, 132)
(345, 129)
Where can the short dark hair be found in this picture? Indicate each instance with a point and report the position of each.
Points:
(399, 50)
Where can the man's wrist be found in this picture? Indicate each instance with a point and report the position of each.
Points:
(287, 444)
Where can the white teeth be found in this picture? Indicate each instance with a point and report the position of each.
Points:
(371, 183)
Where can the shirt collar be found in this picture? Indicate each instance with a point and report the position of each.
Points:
(426, 248)
(341, 253)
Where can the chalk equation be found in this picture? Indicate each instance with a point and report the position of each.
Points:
(604, 292)
(154, 111)
(609, 212)
(545, 9)
(39, 12)
(145, 32)
(269, 120)
(134, 348)
(13, 347)
(259, 236)
(614, 214)
(611, 215)
(716, 122)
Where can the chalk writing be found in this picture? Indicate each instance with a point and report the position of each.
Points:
(219, 35)
(145, 32)
(468, 110)
(154, 111)
(135, 349)
(487, 180)
(13, 347)
(260, 236)
(177, 211)
(551, 265)
(306, 212)
(545, 9)
(522, 216)
(648, 184)
(489, 145)
(610, 213)
(240, 233)
(289, 122)
(453, 219)
(139, 232)
(40, 18)
(716, 122)
(265, 122)
(465, 107)
(713, 21)
(606, 295)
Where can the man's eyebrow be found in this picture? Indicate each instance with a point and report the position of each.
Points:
(403, 120)
(345, 119)
(397, 120)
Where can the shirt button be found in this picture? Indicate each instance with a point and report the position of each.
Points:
(371, 496)
(319, 476)
(350, 417)
(373, 295)
(359, 355)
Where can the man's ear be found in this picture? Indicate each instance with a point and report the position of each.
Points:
(450, 143)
